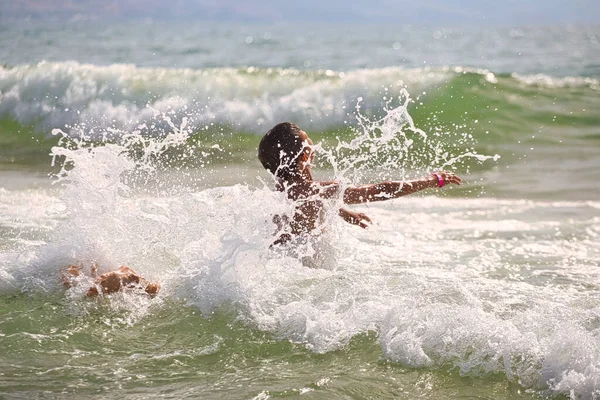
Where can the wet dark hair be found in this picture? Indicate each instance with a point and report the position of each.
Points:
(280, 149)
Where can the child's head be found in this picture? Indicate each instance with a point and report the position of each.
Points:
(285, 150)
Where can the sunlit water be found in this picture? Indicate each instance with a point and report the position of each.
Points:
(485, 291)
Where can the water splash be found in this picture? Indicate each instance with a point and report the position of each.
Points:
(392, 147)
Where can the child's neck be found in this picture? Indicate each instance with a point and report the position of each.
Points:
(298, 185)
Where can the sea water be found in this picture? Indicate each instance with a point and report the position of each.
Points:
(136, 144)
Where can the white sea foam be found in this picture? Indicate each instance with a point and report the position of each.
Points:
(548, 81)
(431, 276)
(55, 95)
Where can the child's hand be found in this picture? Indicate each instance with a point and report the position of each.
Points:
(355, 218)
(444, 178)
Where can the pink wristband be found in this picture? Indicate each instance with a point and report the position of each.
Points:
(440, 179)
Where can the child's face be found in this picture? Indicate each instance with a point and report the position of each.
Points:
(311, 153)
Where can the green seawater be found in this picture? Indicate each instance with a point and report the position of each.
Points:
(52, 350)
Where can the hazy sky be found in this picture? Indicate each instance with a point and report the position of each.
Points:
(448, 12)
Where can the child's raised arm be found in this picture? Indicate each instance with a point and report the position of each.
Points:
(394, 189)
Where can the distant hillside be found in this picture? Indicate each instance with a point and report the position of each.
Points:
(156, 9)
(445, 12)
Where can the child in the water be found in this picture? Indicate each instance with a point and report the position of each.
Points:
(286, 151)
(110, 282)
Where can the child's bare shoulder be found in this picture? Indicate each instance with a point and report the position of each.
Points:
(329, 189)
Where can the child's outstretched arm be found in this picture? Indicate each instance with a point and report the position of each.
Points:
(394, 189)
